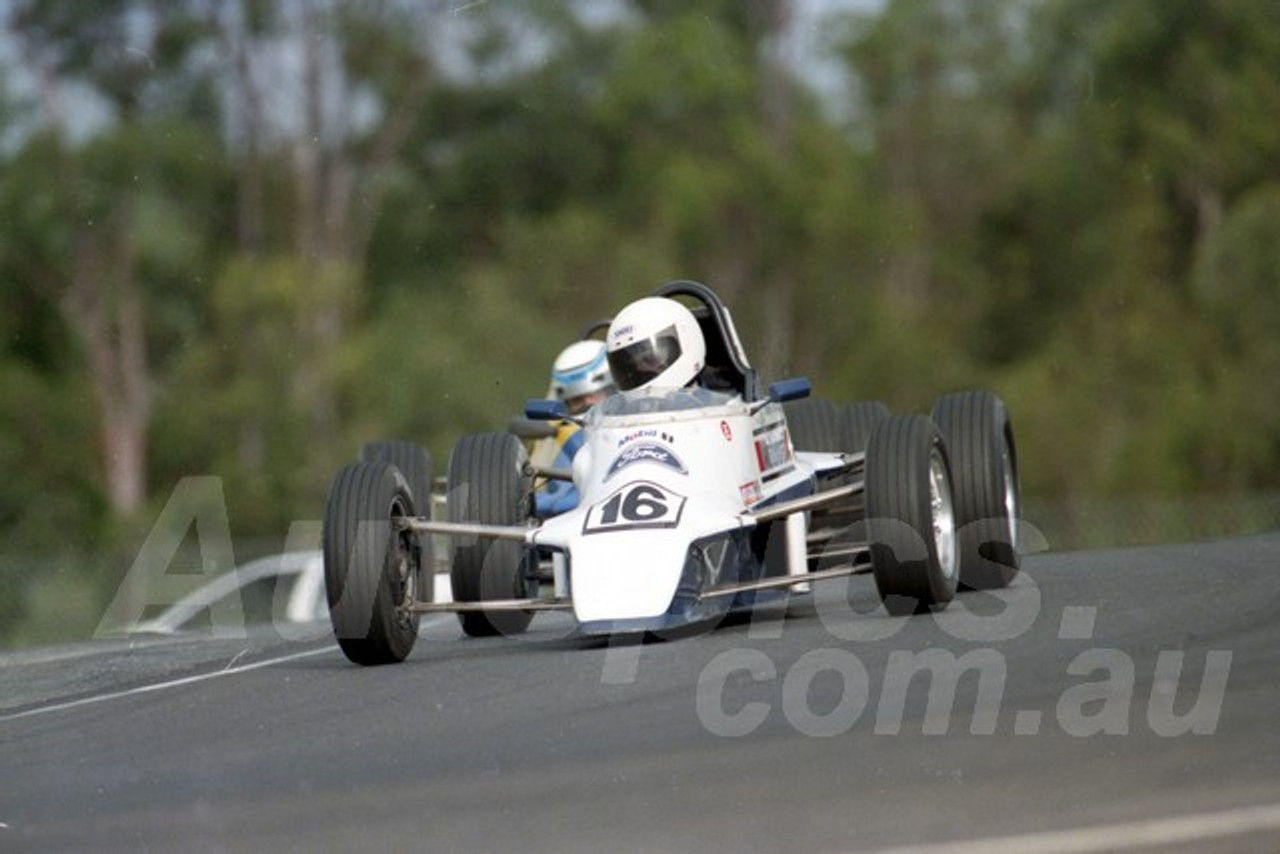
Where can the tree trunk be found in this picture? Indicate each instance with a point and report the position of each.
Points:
(103, 304)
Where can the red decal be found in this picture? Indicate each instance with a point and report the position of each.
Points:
(728, 433)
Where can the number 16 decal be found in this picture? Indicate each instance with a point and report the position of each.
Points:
(640, 504)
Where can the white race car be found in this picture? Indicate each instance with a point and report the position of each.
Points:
(694, 502)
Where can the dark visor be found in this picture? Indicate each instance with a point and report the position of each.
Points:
(638, 363)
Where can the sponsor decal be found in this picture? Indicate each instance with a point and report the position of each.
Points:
(776, 424)
(727, 431)
(646, 434)
(637, 435)
(750, 492)
(648, 452)
(772, 451)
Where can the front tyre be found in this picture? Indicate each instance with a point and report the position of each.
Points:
(984, 466)
(414, 462)
(372, 568)
(910, 515)
(488, 485)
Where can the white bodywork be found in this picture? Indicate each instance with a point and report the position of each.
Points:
(660, 471)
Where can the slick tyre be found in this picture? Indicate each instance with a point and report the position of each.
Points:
(815, 425)
(488, 485)
(910, 515)
(858, 421)
(372, 569)
(819, 425)
(414, 462)
(984, 469)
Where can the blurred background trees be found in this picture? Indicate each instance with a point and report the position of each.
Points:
(240, 238)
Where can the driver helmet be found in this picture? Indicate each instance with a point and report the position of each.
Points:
(580, 375)
(655, 342)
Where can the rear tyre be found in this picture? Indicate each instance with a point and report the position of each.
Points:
(414, 463)
(910, 515)
(488, 485)
(372, 569)
(815, 425)
(859, 420)
(820, 426)
(984, 467)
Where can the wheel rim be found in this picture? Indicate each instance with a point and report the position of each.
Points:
(942, 513)
(404, 586)
(1010, 494)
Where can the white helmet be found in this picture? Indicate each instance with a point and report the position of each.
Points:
(657, 342)
(581, 369)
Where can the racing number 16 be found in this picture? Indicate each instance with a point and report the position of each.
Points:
(636, 505)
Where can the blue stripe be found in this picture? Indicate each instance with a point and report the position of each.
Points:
(573, 443)
(567, 377)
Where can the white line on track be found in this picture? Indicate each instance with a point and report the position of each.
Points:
(160, 686)
(1114, 837)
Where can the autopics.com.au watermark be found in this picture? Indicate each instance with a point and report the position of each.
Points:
(1100, 694)
(959, 685)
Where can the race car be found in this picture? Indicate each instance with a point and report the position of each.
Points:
(695, 502)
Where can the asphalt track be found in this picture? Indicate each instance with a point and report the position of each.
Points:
(1108, 701)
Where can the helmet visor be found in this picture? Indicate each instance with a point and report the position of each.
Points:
(645, 360)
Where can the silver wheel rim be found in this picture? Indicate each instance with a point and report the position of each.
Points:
(1010, 495)
(405, 578)
(942, 513)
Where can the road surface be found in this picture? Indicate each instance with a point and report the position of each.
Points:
(1109, 701)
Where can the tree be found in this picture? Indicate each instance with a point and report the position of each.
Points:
(96, 247)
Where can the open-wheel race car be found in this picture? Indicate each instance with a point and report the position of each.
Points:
(695, 501)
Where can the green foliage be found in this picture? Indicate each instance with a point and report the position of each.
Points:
(246, 402)
(51, 508)
(47, 450)
(467, 366)
(1237, 299)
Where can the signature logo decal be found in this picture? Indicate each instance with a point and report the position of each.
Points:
(646, 453)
